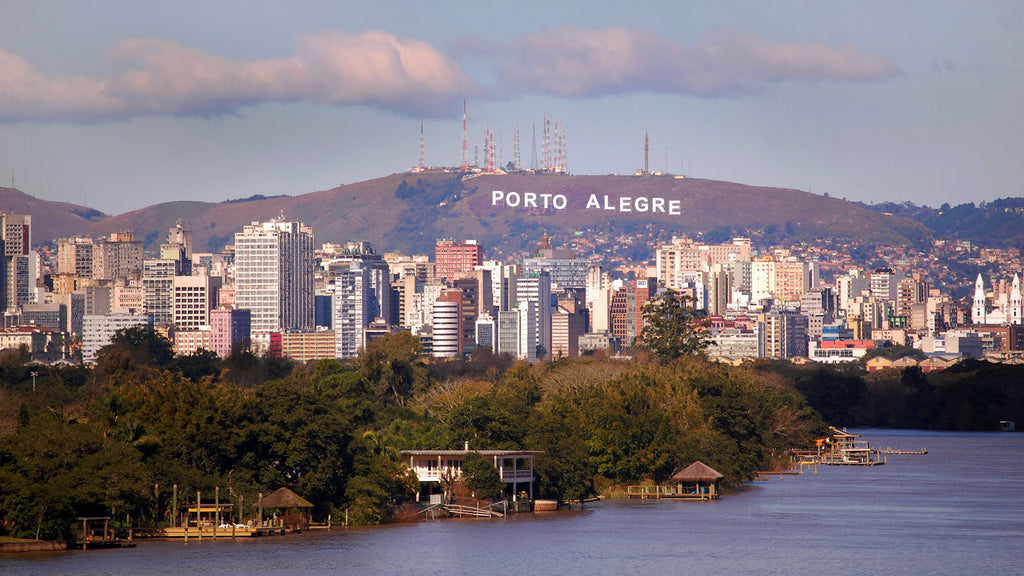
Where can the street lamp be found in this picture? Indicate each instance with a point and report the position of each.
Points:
(34, 374)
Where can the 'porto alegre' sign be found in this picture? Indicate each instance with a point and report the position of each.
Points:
(642, 204)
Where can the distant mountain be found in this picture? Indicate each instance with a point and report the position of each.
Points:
(49, 219)
(508, 213)
(996, 224)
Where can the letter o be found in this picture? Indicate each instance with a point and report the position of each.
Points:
(559, 201)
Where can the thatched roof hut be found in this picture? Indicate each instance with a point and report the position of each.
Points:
(295, 510)
(285, 498)
(699, 480)
(697, 472)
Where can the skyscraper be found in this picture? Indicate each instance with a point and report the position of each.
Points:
(535, 290)
(452, 259)
(14, 259)
(274, 276)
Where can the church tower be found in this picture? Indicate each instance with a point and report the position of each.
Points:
(979, 309)
(1016, 311)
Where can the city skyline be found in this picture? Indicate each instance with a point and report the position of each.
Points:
(119, 106)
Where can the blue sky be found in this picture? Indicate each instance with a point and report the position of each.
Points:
(122, 104)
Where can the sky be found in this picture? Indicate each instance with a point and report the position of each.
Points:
(120, 104)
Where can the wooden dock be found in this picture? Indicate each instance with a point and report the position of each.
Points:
(650, 492)
(214, 533)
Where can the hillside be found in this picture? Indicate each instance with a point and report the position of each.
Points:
(408, 212)
(996, 224)
(49, 219)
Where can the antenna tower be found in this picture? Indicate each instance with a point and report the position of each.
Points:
(563, 144)
(533, 152)
(489, 150)
(422, 148)
(545, 155)
(515, 147)
(647, 151)
(465, 141)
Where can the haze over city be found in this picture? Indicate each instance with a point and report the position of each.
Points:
(119, 105)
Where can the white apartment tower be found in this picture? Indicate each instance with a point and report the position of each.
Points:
(274, 275)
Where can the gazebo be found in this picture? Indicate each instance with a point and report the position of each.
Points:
(698, 481)
(295, 510)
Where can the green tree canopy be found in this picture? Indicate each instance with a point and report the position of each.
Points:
(481, 476)
(673, 327)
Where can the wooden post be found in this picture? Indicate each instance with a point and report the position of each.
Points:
(259, 519)
(216, 510)
(241, 508)
(199, 513)
(174, 507)
(186, 513)
(85, 532)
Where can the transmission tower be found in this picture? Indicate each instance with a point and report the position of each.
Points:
(515, 147)
(465, 141)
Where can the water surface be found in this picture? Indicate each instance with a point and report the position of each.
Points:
(957, 510)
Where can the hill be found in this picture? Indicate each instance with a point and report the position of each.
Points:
(408, 212)
(50, 220)
(996, 224)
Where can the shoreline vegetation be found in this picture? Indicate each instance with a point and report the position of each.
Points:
(112, 440)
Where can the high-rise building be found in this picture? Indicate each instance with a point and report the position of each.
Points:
(74, 256)
(229, 328)
(355, 307)
(566, 328)
(158, 289)
(683, 255)
(783, 335)
(274, 276)
(884, 283)
(508, 332)
(178, 248)
(17, 233)
(453, 258)
(486, 333)
(15, 267)
(117, 258)
(785, 280)
(535, 289)
(448, 324)
(476, 302)
(627, 309)
(566, 270)
(193, 299)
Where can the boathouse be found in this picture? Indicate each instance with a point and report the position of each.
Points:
(433, 467)
(699, 481)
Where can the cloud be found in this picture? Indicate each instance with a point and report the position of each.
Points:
(574, 62)
(410, 77)
(160, 77)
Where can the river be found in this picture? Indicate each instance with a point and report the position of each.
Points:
(957, 510)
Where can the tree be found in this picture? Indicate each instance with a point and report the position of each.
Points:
(673, 327)
(145, 346)
(481, 476)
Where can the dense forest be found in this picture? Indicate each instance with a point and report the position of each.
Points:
(111, 440)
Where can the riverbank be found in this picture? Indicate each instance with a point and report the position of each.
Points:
(14, 545)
